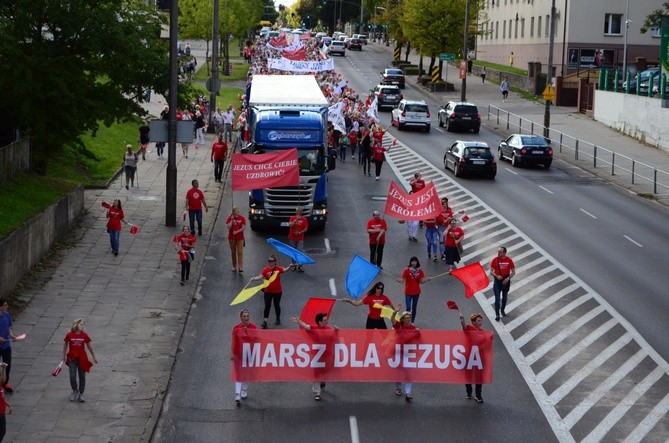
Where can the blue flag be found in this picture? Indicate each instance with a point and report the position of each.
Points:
(295, 255)
(360, 274)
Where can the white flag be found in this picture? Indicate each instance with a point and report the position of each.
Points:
(336, 116)
(373, 111)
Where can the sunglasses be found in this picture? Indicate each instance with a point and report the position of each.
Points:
(271, 261)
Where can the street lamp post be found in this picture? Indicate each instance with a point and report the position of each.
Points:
(627, 25)
(549, 75)
(171, 173)
(463, 94)
(214, 67)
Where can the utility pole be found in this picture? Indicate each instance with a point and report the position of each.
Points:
(171, 174)
(463, 94)
(627, 25)
(214, 67)
(549, 74)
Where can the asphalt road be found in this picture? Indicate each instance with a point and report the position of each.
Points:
(567, 230)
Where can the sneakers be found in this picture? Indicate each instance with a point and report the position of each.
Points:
(322, 385)
(238, 399)
(277, 322)
(182, 282)
(443, 258)
(244, 395)
(497, 318)
(468, 397)
(478, 399)
(74, 396)
(408, 397)
(376, 178)
(415, 240)
(8, 388)
(503, 314)
(264, 324)
(81, 398)
(300, 269)
(429, 256)
(317, 397)
(434, 259)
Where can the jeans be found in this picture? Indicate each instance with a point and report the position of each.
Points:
(297, 244)
(342, 153)
(411, 302)
(241, 386)
(160, 146)
(442, 246)
(115, 240)
(195, 214)
(407, 387)
(74, 369)
(498, 290)
(269, 296)
(227, 132)
(376, 254)
(432, 237)
(218, 169)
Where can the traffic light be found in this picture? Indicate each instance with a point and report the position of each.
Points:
(308, 17)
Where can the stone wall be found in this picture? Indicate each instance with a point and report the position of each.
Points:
(25, 247)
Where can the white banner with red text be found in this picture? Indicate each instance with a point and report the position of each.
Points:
(371, 355)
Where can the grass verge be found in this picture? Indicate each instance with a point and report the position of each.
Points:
(239, 70)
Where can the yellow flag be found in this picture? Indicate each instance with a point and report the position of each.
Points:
(247, 293)
(386, 312)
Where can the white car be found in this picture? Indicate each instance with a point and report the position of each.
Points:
(337, 47)
(410, 113)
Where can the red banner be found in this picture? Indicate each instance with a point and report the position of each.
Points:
(425, 356)
(257, 171)
(421, 205)
(278, 42)
(298, 54)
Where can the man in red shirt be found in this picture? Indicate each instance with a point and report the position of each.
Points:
(502, 270)
(378, 157)
(194, 202)
(219, 151)
(417, 183)
(376, 228)
(297, 226)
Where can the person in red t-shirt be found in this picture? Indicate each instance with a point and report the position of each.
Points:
(194, 202)
(502, 270)
(378, 157)
(76, 358)
(241, 388)
(412, 276)
(273, 290)
(297, 226)
(353, 140)
(236, 224)
(219, 152)
(376, 228)
(115, 217)
(374, 296)
(5, 407)
(452, 238)
(321, 324)
(406, 332)
(184, 243)
(417, 183)
(477, 321)
(443, 221)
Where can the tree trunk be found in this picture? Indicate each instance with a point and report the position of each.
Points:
(406, 54)
(420, 64)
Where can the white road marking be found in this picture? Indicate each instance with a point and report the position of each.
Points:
(511, 171)
(550, 192)
(333, 288)
(327, 245)
(353, 422)
(635, 242)
(587, 213)
(649, 422)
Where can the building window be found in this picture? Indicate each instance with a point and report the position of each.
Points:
(613, 24)
(515, 31)
(504, 30)
(532, 27)
(539, 26)
(522, 27)
(548, 26)
(655, 32)
(496, 30)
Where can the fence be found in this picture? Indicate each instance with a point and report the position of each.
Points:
(14, 159)
(588, 154)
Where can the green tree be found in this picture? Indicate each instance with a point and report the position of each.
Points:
(654, 20)
(68, 65)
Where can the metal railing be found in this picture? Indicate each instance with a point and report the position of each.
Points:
(587, 154)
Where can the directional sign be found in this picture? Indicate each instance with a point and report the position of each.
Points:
(447, 56)
(549, 93)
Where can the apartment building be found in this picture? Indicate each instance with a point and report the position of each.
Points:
(588, 33)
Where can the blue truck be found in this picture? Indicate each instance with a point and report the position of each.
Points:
(289, 111)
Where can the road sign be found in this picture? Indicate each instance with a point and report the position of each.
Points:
(549, 93)
(447, 56)
(213, 84)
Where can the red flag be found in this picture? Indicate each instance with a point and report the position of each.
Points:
(257, 171)
(296, 54)
(278, 42)
(473, 277)
(417, 206)
(58, 369)
(106, 205)
(465, 218)
(183, 255)
(315, 306)
(134, 229)
(452, 305)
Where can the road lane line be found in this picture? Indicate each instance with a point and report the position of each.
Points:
(564, 389)
(648, 423)
(636, 243)
(511, 171)
(587, 213)
(604, 426)
(353, 422)
(595, 395)
(550, 192)
(333, 288)
(327, 245)
(550, 370)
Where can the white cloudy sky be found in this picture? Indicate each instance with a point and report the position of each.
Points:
(286, 3)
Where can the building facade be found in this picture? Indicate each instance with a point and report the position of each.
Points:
(588, 33)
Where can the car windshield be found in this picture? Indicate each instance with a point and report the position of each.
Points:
(393, 72)
(533, 140)
(478, 152)
(389, 91)
(310, 161)
(468, 110)
(415, 108)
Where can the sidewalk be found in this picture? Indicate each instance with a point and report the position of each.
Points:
(563, 119)
(133, 305)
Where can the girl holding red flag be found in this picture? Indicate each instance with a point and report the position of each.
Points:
(241, 388)
(184, 243)
(77, 359)
(413, 276)
(115, 217)
(452, 240)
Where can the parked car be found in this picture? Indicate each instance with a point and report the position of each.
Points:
(337, 47)
(388, 96)
(355, 43)
(526, 149)
(411, 113)
(460, 115)
(470, 157)
(655, 85)
(643, 77)
(392, 76)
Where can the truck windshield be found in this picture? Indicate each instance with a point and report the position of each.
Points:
(310, 161)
